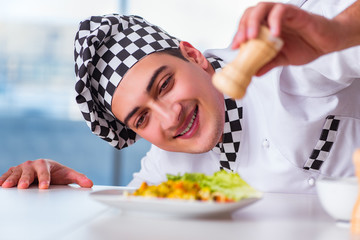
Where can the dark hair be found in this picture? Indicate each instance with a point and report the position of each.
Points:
(176, 52)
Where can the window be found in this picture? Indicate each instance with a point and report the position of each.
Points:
(38, 114)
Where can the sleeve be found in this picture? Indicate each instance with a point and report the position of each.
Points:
(324, 76)
(328, 74)
(327, 8)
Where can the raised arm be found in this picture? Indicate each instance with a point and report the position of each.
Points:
(306, 36)
(349, 20)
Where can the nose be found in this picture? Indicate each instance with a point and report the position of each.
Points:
(168, 114)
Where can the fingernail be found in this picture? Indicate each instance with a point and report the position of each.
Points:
(44, 184)
(7, 183)
(251, 32)
(23, 185)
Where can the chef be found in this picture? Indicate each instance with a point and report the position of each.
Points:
(294, 125)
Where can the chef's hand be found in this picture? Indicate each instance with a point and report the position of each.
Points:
(306, 36)
(45, 172)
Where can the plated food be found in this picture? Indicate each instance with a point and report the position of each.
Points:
(187, 195)
(222, 186)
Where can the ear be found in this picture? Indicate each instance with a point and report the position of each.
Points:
(193, 55)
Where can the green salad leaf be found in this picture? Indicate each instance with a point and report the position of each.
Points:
(228, 183)
(193, 177)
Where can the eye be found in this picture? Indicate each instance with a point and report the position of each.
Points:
(165, 85)
(141, 120)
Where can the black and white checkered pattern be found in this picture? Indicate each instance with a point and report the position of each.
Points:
(106, 47)
(324, 145)
(230, 144)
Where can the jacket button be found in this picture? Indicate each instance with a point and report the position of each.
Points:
(266, 143)
(311, 181)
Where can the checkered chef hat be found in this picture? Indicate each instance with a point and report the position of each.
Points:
(106, 47)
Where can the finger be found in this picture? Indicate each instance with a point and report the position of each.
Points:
(27, 175)
(240, 36)
(250, 23)
(13, 178)
(84, 182)
(257, 17)
(61, 174)
(265, 69)
(42, 170)
(288, 15)
(275, 19)
(80, 179)
(5, 176)
(277, 61)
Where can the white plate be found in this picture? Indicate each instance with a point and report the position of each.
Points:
(163, 206)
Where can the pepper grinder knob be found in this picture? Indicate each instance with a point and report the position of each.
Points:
(235, 77)
(355, 219)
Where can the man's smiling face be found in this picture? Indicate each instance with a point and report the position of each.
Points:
(171, 102)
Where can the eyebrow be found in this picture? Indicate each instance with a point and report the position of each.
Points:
(148, 89)
(126, 121)
(154, 77)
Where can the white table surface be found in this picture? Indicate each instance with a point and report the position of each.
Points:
(68, 212)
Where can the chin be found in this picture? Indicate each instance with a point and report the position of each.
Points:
(196, 145)
(206, 145)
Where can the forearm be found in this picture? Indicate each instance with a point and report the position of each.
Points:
(307, 33)
(349, 22)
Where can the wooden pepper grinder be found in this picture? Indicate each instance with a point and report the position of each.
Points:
(355, 219)
(234, 78)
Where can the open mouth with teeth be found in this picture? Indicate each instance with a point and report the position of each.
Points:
(190, 124)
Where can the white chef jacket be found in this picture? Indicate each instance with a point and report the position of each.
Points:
(284, 113)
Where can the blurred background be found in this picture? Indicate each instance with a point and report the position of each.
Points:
(38, 114)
